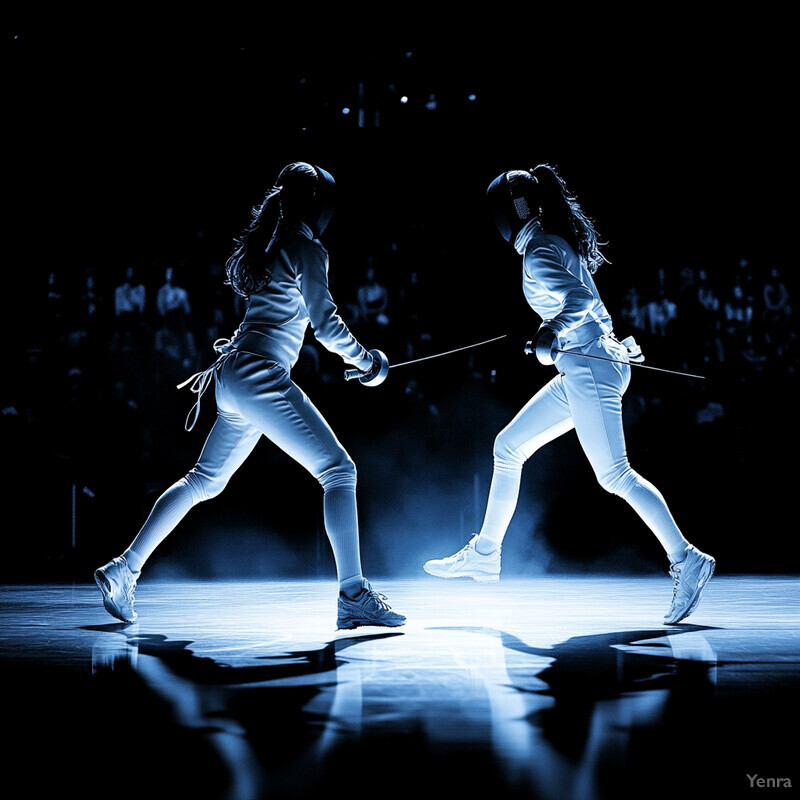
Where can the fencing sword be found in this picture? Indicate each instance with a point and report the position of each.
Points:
(374, 378)
(529, 348)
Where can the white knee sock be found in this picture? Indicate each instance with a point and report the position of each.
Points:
(341, 525)
(503, 496)
(168, 511)
(649, 504)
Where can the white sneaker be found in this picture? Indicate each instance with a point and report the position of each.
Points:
(467, 563)
(117, 584)
(690, 576)
(368, 608)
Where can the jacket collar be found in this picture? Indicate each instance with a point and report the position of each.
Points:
(526, 234)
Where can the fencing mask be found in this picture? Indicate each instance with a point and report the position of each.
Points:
(307, 193)
(513, 203)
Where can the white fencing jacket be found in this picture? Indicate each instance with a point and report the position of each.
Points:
(557, 284)
(297, 295)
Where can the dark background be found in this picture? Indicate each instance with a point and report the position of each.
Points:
(133, 142)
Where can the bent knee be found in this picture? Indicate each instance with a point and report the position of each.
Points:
(506, 453)
(204, 487)
(340, 475)
(620, 480)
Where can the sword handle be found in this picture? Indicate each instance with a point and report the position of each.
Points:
(378, 373)
(543, 345)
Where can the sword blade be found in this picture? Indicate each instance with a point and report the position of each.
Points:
(630, 363)
(449, 352)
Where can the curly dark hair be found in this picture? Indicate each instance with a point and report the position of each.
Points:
(561, 214)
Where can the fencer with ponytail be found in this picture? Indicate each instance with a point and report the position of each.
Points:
(302, 193)
(247, 269)
(542, 220)
(560, 213)
(517, 197)
(281, 267)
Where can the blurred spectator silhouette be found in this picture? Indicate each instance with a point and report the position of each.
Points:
(707, 294)
(777, 310)
(753, 354)
(88, 326)
(174, 341)
(129, 314)
(738, 311)
(633, 314)
(411, 323)
(55, 324)
(373, 305)
(661, 310)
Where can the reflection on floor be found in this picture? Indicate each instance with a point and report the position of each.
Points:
(554, 687)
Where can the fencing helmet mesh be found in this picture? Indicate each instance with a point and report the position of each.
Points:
(307, 193)
(512, 201)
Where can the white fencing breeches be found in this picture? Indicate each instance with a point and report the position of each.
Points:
(586, 395)
(256, 397)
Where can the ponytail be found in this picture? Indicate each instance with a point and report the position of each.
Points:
(247, 269)
(561, 214)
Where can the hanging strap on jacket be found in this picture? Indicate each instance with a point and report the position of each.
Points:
(201, 380)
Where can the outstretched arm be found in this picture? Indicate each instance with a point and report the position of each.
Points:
(329, 328)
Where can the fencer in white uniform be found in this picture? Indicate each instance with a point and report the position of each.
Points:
(281, 268)
(537, 214)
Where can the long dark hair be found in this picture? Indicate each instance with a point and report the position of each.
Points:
(562, 215)
(247, 268)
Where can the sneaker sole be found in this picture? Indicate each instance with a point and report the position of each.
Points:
(104, 585)
(476, 578)
(710, 566)
(353, 624)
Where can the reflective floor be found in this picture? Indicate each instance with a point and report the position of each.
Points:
(551, 687)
